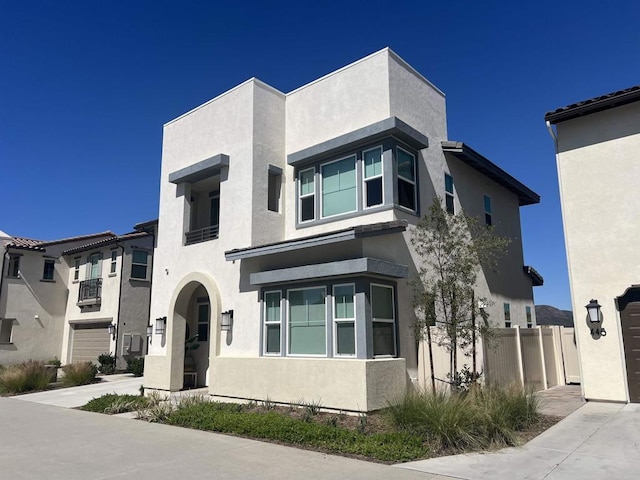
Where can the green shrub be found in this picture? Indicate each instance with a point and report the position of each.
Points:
(25, 377)
(230, 418)
(81, 373)
(55, 362)
(107, 363)
(112, 403)
(135, 366)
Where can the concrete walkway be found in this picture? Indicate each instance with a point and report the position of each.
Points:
(77, 396)
(599, 441)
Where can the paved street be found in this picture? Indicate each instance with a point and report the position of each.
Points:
(46, 442)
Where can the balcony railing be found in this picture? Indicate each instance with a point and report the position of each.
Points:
(201, 234)
(90, 291)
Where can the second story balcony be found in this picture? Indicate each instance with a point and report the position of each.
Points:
(201, 234)
(90, 292)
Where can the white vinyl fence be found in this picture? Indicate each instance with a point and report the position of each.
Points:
(539, 357)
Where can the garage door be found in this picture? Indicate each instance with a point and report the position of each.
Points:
(630, 318)
(89, 341)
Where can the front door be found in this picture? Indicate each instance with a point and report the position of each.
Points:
(630, 318)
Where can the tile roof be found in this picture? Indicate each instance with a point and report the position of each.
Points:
(26, 243)
(40, 245)
(593, 105)
(105, 241)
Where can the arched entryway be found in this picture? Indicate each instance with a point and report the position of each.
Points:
(192, 330)
(629, 307)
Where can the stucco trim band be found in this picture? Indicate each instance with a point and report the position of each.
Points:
(371, 266)
(392, 126)
(200, 170)
(86, 321)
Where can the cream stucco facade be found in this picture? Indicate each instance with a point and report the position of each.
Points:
(222, 246)
(596, 150)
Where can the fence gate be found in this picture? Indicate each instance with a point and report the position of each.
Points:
(570, 356)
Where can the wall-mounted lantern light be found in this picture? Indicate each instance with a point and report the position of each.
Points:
(161, 325)
(227, 321)
(112, 330)
(149, 331)
(594, 318)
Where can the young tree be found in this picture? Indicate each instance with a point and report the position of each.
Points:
(454, 249)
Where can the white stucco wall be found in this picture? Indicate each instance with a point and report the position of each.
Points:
(598, 172)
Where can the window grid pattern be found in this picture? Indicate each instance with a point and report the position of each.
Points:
(344, 317)
(139, 259)
(114, 257)
(272, 322)
(49, 268)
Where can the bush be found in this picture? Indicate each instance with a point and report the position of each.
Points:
(81, 373)
(135, 366)
(112, 403)
(25, 377)
(107, 363)
(457, 421)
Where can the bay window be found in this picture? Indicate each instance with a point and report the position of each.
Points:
(272, 322)
(383, 320)
(373, 184)
(307, 321)
(345, 319)
(339, 186)
(406, 179)
(306, 194)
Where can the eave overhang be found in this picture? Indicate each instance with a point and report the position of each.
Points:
(200, 170)
(467, 155)
(593, 105)
(536, 278)
(356, 266)
(389, 127)
(352, 233)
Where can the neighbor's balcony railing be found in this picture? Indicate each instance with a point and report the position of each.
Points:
(90, 291)
(202, 234)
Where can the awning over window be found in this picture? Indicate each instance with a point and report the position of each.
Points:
(200, 170)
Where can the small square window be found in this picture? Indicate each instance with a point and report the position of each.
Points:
(49, 268)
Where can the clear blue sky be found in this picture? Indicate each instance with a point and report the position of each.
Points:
(85, 87)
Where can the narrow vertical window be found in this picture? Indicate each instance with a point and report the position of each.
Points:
(406, 179)
(373, 177)
(448, 193)
(344, 318)
(114, 259)
(339, 187)
(272, 322)
(203, 321)
(274, 185)
(529, 318)
(306, 194)
(507, 315)
(14, 266)
(487, 210)
(93, 266)
(6, 326)
(139, 260)
(49, 268)
(307, 321)
(76, 269)
(383, 320)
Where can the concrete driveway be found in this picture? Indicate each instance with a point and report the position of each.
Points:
(599, 441)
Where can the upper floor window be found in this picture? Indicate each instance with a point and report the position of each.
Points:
(407, 192)
(339, 187)
(529, 318)
(448, 193)
(373, 179)
(487, 210)
(139, 260)
(94, 266)
(306, 194)
(49, 268)
(114, 260)
(14, 266)
(76, 269)
(274, 186)
(507, 315)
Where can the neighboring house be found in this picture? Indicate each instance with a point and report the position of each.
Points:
(597, 144)
(285, 240)
(58, 298)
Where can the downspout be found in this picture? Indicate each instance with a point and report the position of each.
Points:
(115, 354)
(4, 258)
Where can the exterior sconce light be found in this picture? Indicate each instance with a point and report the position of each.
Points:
(594, 319)
(227, 321)
(149, 330)
(161, 325)
(112, 330)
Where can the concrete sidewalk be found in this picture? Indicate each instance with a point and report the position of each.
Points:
(45, 442)
(77, 396)
(599, 441)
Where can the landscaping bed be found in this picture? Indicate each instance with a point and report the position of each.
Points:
(419, 426)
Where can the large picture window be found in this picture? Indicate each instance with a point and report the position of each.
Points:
(272, 322)
(406, 179)
(344, 316)
(383, 320)
(339, 187)
(307, 321)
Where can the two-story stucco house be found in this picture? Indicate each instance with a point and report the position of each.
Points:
(285, 236)
(59, 298)
(597, 143)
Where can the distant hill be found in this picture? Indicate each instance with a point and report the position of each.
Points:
(548, 315)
